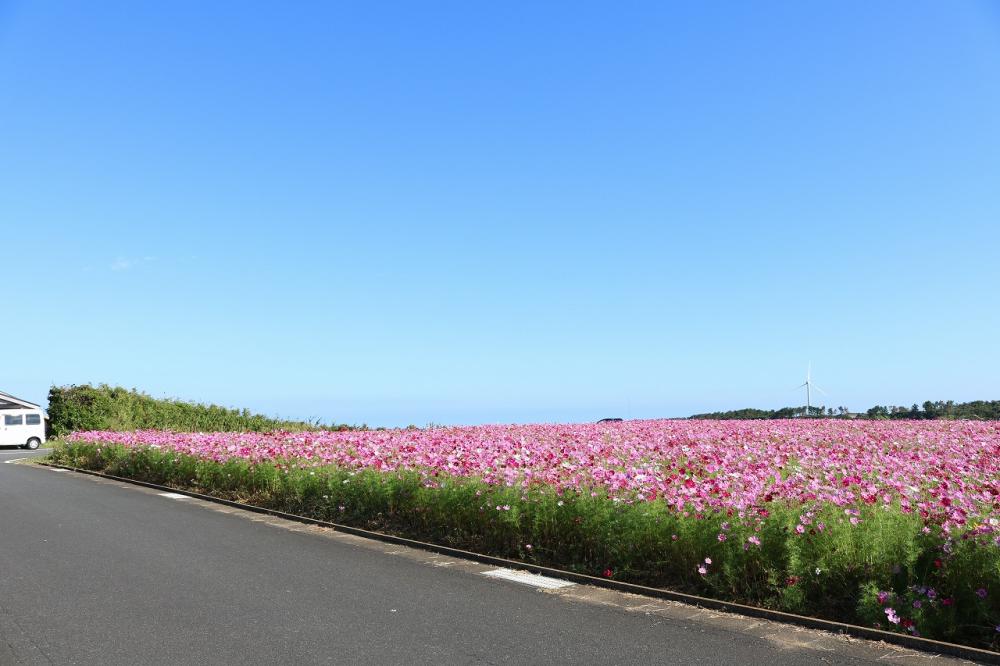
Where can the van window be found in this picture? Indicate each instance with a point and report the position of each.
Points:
(13, 420)
(32, 419)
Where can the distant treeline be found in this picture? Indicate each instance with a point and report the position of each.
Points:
(783, 413)
(977, 409)
(104, 407)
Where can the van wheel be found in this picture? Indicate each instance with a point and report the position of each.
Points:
(32, 443)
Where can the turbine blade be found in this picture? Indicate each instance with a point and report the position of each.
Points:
(819, 389)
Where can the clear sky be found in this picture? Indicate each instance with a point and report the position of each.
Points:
(460, 212)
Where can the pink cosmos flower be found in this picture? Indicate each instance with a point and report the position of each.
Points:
(698, 469)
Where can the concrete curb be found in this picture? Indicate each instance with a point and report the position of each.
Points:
(914, 642)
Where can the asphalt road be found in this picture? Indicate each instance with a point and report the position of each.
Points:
(98, 572)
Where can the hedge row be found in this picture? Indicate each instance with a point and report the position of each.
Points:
(103, 407)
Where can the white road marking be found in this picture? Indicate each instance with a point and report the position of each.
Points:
(529, 579)
(174, 495)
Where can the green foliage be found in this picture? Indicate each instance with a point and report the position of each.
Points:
(746, 413)
(757, 414)
(826, 563)
(977, 409)
(85, 407)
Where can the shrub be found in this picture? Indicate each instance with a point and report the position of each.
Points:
(103, 407)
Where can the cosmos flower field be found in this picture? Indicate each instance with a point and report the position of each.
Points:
(893, 524)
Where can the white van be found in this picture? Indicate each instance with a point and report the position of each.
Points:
(21, 423)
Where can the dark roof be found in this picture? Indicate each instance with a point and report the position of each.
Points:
(7, 401)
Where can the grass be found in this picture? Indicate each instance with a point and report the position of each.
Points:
(833, 569)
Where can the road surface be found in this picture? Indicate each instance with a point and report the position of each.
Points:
(100, 572)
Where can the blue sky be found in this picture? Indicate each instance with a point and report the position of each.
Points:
(457, 213)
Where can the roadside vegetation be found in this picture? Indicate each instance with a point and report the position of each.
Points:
(890, 525)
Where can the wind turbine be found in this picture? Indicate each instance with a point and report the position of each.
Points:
(809, 386)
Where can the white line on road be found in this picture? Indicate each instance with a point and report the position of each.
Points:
(174, 495)
(528, 579)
